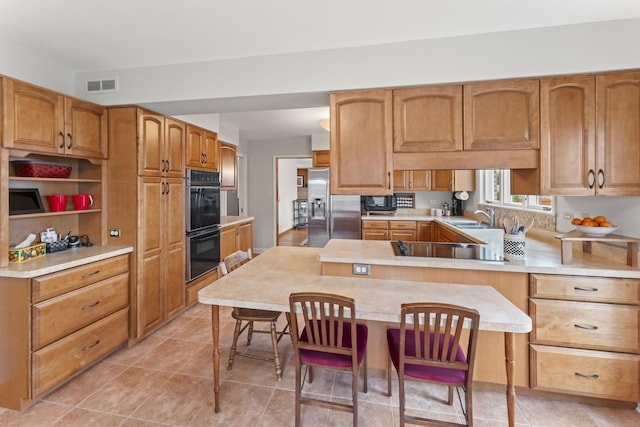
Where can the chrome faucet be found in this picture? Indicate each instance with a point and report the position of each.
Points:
(489, 213)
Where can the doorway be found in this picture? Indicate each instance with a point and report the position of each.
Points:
(291, 197)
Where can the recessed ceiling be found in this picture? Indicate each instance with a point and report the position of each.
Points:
(94, 35)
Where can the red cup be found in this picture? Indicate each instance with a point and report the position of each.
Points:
(82, 202)
(58, 202)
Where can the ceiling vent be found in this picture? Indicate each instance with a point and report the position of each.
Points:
(101, 86)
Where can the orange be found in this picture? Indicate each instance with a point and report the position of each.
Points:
(587, 218)
(589, 223)
(606, 224)
(576, 221)
(600, 218)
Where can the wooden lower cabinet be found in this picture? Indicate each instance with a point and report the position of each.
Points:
(586, 336)
(55, 326)
(444, 234)
(236, 237)
(402, 230)
(424, 231)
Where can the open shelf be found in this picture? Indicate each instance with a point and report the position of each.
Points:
(46, 214)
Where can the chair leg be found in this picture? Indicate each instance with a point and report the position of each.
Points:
(249, 333)
(276, 355)
(450, 399)
(401, 399)
(469, 404)
(288, 327)
(298, 393)
(364, 372)
(232, 352)
(310, 374)
(354, 394)
(389, 376)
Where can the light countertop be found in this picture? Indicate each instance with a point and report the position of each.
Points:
(266, 282)
(542, 256)
(58, 261)
(227, 221)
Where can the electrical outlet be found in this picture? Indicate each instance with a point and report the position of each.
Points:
(568, 216)
(114, 232)
(361, 269)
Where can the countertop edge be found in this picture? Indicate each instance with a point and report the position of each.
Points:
(227, 221)
(52, 263)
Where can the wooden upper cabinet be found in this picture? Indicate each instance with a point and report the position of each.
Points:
(150, 144)
(417, 180)
(362, 142)
(175, 133)
(501, 115)
(43, 121)
(202, 149)
(321, 158)
(618, 130)
(453, 180)
(427, 119)
(227, 166)
(567, 149)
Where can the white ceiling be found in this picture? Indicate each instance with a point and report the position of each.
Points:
(93, 35)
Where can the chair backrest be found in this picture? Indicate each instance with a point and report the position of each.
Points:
(329, 322)
(438, 328)
(233, 261)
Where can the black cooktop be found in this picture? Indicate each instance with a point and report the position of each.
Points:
(445, 250)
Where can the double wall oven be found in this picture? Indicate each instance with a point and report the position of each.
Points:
(202, 217)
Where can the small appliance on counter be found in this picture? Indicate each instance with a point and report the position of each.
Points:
(457, 203)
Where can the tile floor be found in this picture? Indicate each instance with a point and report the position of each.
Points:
(166, 380)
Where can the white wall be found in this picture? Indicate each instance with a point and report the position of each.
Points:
(261, 183)
(552, 50)
(287, 192)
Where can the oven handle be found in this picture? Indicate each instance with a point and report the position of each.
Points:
(202, 233)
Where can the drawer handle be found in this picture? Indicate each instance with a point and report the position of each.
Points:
(89, 347)
(578, 288)
(589, 377)
(87, 307)
(84, 276)
(592, 328)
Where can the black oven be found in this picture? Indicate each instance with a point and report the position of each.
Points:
(202, 200)
(202, 219)
(203, 252)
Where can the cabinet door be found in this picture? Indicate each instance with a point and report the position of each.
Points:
(227, 167)
(174, 256)
(228, 241)
(373, 234)
(567, 108)
(401, 180)
(407, 235)
(194, 157)
(362, 142)
(245, 236)
(210, 150)
(427, 119)
(86, 128)
(33, 119)
(618, 126)
(425, 231)
(442, 180)
(150, 254)
(501, 115)
(420, 180)
(150, 144)
(174, 142)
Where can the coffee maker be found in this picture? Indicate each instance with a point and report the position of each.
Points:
(457, 203)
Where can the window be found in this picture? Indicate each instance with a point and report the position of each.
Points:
(496, 188)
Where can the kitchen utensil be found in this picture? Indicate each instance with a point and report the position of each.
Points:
(529, 225)
(507, 223)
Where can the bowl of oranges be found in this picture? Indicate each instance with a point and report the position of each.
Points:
(596, 226)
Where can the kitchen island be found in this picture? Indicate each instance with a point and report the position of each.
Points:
(267, 281)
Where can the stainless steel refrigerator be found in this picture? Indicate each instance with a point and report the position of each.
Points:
(330, 217)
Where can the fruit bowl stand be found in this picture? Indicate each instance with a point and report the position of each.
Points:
(566, 252)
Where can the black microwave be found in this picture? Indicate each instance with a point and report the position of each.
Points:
(380, 203)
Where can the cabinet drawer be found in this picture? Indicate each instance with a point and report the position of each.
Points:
(51, 285)
(584, 324)
(581, 288)
(58, 361)
(368, 234)
(57, 317)
(380, 225)
(407, 235)
(585, 372)
(402, 225)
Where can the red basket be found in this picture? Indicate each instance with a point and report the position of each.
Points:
(38, 169)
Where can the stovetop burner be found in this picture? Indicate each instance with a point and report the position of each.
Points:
(445, 250)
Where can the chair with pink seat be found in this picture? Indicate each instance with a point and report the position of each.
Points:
(446, 357)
